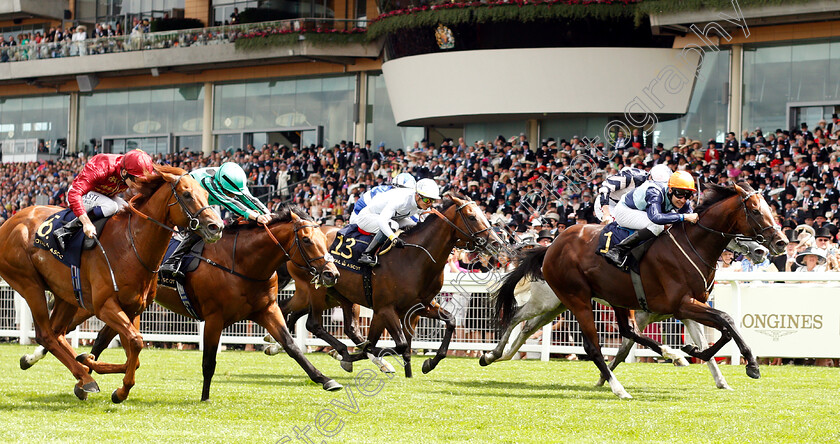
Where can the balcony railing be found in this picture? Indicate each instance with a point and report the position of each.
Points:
(170, 39)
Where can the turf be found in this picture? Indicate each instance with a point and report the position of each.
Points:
(256, 398)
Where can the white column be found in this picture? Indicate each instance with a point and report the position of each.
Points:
(301, 333)
(25, 323)
(736, 81)
(73, 124)
(207, 142)
(360, 130)
(545, 345)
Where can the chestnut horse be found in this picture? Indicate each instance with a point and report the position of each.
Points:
(404, 283)
(135, 241)
(242, 286)
(677, 273)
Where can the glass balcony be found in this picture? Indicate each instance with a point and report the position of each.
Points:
(174, 39)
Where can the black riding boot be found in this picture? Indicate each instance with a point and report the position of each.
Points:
(368, 257)
(618, 253)
(170, 266)
(63, 234)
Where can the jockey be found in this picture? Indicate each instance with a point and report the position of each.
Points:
(397, 204)
(403, 180)
(618, 185)
(97, 186)
(226, 187)
(648, 208)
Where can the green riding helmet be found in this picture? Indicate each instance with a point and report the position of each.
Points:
(231, 177)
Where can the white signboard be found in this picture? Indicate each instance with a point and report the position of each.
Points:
(785, 320)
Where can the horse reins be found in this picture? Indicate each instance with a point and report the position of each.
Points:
(311, 268)
(472, 235)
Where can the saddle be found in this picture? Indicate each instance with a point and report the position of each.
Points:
(348, 246)
(613, 234)
(72, 255)
(189, 262)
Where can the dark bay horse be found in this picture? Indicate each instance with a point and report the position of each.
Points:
(677, 273)
(405, 284)
(243, 286)
(135, 240)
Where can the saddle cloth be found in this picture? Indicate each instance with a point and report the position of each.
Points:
(188, 263)
(72, 256)
(613, 234)
(348, 246)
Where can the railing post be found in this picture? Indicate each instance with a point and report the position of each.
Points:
(25, 319)
(74, 337)
(734, 352)
(201, 336)
(301, 333)
(545, 345)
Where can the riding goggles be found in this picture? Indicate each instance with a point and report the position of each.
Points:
(682, 194)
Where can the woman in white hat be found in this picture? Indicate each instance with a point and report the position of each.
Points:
(811, 260)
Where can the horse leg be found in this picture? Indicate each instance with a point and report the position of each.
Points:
(351, 330)
(391, 321)
(695, 330)
(275, 348)
(706, 315)
(316, 326)
(113, 315)
(62, 315)
(437, 312)
(622, 317)
(213, 326)
(103, 339)
(531, 327)
(527, 311)
(408, 333)
(582, 309)
(27, 361)
(272, 320)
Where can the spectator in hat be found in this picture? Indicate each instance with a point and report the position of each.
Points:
(811, 260)
(787, 260)
(727, 261)
(545, 238)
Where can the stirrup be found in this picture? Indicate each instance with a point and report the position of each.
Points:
(367, 259)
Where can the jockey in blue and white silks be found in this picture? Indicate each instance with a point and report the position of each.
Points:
(649, 208)
(618, 185)
(401, 205)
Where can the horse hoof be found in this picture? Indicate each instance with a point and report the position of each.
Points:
(205, 399)
(82, 357)
(116, 399)
(681, 362)
(484, 360)
(272, 349)
(753, 371)
(347, 366)
(24, 363)
(428, 366)
(332, 386)
(600, 382)
(269, 339)
(81, 394)
(91, 387)
(690, 349)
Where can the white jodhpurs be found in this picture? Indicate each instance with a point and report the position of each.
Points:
(369, 222)
(108, 205)
(635, 219)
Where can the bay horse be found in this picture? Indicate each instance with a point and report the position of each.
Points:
(135, 240)
(677, 273)
(236, 287)
(543, 306)
(404, 284)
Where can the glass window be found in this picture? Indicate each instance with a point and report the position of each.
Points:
(140, 112)
(42, 117)
(708, 110)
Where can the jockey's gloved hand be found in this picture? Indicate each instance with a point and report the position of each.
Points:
(398, 243)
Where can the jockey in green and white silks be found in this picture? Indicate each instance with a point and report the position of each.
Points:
(226, 187)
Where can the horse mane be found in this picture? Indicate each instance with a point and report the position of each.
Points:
(444, 205)
(147, 185)
(284, 215)
(716, 193)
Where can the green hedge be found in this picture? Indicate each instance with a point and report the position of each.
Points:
(497, 13)
(258, 42)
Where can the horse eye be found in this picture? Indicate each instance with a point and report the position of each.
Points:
(307, 240)
(472, 217)
(187, 195)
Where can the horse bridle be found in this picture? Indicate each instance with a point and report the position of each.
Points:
(472, 236)
(194, 222)
(309, 267)
(757, 235)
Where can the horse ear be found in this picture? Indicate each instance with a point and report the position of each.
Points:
(740, 190)
(457, 200)
(295, 217)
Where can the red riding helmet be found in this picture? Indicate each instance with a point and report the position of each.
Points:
(137, 163)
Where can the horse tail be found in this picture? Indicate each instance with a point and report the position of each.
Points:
(530, 266)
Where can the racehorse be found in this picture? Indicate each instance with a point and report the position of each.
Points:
(677, 273)
(404, 284)
(543, 307)
(135, 240)
(221, 296)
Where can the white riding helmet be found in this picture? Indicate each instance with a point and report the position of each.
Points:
(428, 188)
(405, 180)
(660, 173)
